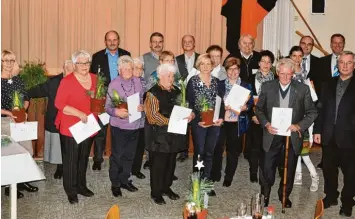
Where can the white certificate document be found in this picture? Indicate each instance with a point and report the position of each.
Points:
(133, 102)
(24, 131)
(237, 97)
(281, 119)
(311, 88)
(217, 108)
(82, 131)
(104, 118)
(177, 121)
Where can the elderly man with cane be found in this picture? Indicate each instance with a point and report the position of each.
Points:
(283, 93)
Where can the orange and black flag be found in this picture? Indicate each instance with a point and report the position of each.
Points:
(243, 17)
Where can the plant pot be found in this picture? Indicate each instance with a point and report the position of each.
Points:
(200, 215)
(97, 105)
(20, 114)
(207, 117)
(122, 106)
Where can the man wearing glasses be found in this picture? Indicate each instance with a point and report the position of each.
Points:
(105, 61)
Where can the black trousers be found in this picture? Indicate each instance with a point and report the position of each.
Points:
(75, 161)
(124, 145)
(100, 143)
(138, 157)
(333, 158)
(256, 147)
(269, 162)
(161, 171)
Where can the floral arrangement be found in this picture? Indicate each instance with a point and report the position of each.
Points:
(204, 104)
(100, 89)
(33, 74)
(182, 87)
(17, 100)
(116, 99)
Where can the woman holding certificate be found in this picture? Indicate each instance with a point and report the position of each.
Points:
(11, 82)
(124, 133)
(162, 146)
(73, 104)
(202, 92)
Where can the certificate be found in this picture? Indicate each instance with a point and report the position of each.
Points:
(281, 119)
(82, 131)
(311, 88)
(24, 131)
(177, 121)
(104, 118)
(133, 102)
(237, 97)
(217, 108)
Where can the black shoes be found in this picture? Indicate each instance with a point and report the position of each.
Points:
(7, 193)
(227, 183)
(345, 211)
(146, 165)
(59, 172)
(288, 203)
(73, 199)
(172, 195)
(327, 202)
(158, 200)
(211, 193)
(253, 177)
(27, 187)
(175, 178)
(139, 175)
(96, 166)
(116, 191)
(129, 186)
(86, 192)
(266, 201)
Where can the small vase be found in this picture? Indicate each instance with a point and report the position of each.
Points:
(122, 106)
(207, 117)
(97, 105)
(20, 114)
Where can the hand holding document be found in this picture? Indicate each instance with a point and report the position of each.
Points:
(217, 108)
(281, 119)
(133, 102)
(237, 97)
(311, 88)
(24, 131)
(82, 131)
(104, 118)
(177, 121)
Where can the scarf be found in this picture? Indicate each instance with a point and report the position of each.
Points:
(300, 76)
(261, 78)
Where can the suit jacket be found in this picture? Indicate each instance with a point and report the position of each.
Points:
(304, 111)
(314, 73)
(100, 58)
(344, 129)
(180, 59)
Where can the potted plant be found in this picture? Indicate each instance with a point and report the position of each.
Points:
(182, 98)
(118, 101)
(18, 109)
(98, 97)
(206, 111)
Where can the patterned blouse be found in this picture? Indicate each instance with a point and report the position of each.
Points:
(8, 86)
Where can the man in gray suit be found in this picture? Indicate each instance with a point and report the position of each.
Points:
(284, 93)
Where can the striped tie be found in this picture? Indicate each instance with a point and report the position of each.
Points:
(336, 70)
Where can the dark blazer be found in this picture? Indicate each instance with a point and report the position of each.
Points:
(100, 58)
(304, 111)
(313, 73)
(48, 89)
(344, 129)
(180, 59)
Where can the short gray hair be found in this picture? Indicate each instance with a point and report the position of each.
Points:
(166, 68)
(286, 62)
(344, 53)
(138, 61)
(123, 60)
(80, 53)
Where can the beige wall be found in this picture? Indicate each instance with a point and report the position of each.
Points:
(339, 18)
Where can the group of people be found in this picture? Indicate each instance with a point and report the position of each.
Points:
(155, 77)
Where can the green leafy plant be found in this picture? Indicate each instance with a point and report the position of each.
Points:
(33, 74)
(182, 98)
(17, 100)
(101, 89)
(5, 140)
(203, 103)
(116, 99)
(198, 189)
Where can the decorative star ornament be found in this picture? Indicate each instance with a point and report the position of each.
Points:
(199, 164)
(10, 81)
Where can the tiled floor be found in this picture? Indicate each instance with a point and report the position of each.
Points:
(51, 202)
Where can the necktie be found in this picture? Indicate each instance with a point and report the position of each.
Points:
(336, 70)
(304, 61)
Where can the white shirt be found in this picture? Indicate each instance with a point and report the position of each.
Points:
(285, 87)
(334, 62)
(308, 62)
(246, 56)
(190, 61)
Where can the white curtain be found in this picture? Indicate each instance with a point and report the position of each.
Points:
(279, 28)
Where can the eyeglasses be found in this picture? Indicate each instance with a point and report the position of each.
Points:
(138, 69)
(11, 61)
(83, 63)
(306, 44)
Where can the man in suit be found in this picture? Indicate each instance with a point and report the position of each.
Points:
(106, 61)
(284, 93)
(328, 65)
(335, 130)
(186, 63)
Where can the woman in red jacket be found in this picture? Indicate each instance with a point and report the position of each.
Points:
(73, 105)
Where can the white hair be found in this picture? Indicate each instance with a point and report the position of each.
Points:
(80, 53)
(138, 61)
(164, 69)
(344, 53)
(123, 60)
(285, 62)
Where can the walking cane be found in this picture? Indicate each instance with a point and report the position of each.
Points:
(285, 175)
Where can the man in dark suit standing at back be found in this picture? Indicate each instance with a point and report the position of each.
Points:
(335, 130)
(284, 93)
(186, 63)
(106, 61)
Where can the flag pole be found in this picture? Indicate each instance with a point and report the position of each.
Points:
(285, 175)
(306, 23)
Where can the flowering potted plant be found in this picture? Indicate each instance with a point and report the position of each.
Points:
(118, 101)
(98, 97)
(18, 109)
(206, 111)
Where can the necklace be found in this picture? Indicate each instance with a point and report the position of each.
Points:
(128, 91)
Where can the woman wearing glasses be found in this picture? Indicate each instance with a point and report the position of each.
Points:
(73, 105)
